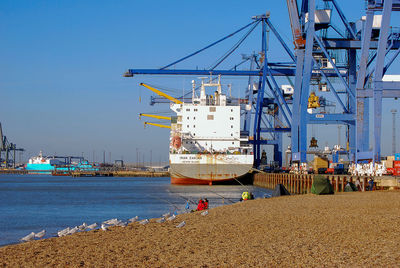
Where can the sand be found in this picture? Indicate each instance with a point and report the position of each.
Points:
(346, 229)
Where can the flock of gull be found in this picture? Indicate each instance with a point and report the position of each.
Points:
(105, 225)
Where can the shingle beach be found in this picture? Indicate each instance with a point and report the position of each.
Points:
(346, 229)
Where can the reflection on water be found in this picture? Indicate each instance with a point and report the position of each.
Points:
(32, 203)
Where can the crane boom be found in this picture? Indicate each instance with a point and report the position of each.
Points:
(299, 41)
(162, 94)
(156, 116)
(156, 125)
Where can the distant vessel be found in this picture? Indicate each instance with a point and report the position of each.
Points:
(41, 164)
(206, 144)
(47, 165)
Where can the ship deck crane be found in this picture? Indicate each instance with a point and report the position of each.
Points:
(156, 125)
(162, 94)
(155, 116)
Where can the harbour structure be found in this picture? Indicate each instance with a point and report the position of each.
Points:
(368, 48)
(7, 151)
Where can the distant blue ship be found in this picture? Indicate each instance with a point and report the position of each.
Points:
(46, 165)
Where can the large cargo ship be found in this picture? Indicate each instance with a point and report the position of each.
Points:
(206, 145)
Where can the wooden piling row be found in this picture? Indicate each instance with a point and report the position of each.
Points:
(301, 183)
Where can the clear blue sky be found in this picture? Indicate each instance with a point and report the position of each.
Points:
(61, 84)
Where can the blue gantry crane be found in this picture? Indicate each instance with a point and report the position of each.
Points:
(317, 41)
(353, 75)
(7, 151)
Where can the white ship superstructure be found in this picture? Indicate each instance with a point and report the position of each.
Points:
(206, 143)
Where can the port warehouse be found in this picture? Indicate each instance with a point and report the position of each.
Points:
(292, 108)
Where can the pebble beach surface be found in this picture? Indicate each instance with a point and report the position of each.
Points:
(345, 229)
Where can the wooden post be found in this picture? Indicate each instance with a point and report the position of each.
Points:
(363, 184)
(336, 184)
(291, 184)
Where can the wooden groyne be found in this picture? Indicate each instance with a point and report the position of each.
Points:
(301, 184)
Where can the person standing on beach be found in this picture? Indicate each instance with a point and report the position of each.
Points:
(205, 203)
(358, 184)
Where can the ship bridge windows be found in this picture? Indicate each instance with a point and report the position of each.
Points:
(231, 118)
(195, 110)
(187, 110)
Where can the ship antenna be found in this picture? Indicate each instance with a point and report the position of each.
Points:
(193, 89)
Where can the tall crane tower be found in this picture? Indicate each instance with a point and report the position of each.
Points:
(394, 111)
(7, 151)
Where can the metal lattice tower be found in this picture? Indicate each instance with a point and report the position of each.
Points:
(394, 111)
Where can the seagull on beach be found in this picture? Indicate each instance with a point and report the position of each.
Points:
(103, 227)
(29, 237)
(161, 220)
(165, 215)
(92, 226)
(122, 224)
(181, 224)
(40, 234)
(63, 232)
(111, 222)
(82, 227)
(73, 230)
(173, 217)
(136, 218)
(143, 222)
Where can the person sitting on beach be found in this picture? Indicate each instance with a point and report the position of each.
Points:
(205, 203)
(251, 196)
(201, 205)
(245, 196)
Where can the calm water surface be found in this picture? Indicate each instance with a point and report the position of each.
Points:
(30, 203)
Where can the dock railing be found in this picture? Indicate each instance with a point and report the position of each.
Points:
(301, 184)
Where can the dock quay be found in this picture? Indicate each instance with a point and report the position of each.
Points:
(301, 184)
(116, 173)
(87, 173)
(13, 171)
